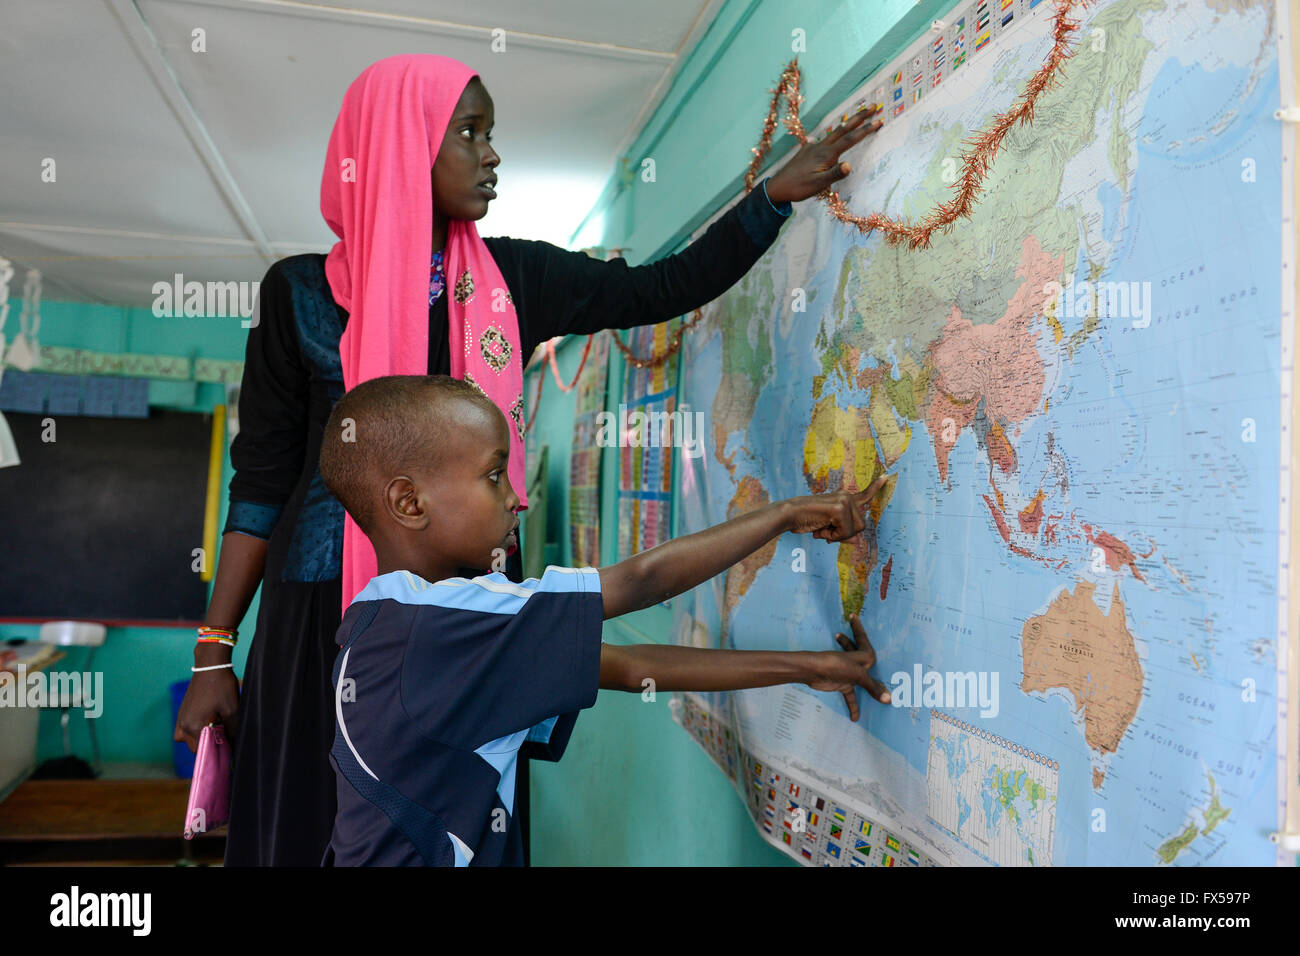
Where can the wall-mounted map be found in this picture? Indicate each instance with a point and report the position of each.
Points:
(1072, 580)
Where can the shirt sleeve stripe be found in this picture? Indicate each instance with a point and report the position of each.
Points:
(489, 593)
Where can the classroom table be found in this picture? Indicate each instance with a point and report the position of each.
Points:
(102, 822)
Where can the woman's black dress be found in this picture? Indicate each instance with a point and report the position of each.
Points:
(283, 799)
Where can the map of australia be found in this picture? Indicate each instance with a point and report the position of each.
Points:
(1075, 395)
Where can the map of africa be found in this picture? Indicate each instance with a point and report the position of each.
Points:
(1071, 578)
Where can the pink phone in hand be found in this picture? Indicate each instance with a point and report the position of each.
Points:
(209, 803)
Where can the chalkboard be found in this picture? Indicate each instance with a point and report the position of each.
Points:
(101, 523)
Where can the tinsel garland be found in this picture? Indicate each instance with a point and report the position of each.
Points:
(548, 350)
(673, 345)
(976, 158)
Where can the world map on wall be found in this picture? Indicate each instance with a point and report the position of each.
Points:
(1071, 578)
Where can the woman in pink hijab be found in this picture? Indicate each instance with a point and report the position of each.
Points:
(409, 288)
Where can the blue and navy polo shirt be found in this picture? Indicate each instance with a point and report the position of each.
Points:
(437, 686)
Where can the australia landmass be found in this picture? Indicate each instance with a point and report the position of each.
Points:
(1073, 646)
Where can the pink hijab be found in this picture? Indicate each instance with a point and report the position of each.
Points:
(377, 195)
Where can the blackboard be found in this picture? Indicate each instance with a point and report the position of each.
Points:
(101, 523)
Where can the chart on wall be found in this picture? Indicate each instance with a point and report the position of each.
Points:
(646, 459)
(584, 460)
(1081, 394)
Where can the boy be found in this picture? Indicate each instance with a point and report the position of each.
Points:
(441, 679)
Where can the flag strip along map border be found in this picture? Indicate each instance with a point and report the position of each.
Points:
(814, 823)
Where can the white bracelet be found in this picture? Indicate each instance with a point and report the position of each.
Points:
(214, 667)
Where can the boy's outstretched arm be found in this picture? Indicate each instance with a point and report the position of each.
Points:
(691, 668)
(678, 565)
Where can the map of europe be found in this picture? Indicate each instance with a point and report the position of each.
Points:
(1071, 578)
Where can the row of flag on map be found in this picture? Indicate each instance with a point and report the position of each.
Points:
(712, 735)
(809, 825)
(944, 54)
(817, 829)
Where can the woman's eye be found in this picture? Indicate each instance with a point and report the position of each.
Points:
(494, 475)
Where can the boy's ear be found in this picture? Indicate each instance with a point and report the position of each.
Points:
(403, 503)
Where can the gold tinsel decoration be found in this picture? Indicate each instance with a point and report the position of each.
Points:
(976, 159)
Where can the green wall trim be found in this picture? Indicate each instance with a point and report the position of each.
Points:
(60, 360)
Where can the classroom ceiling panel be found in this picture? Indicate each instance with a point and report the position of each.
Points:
(120, 269)
(645, 26)
(209, 163)
(275, 145)
(76, 93)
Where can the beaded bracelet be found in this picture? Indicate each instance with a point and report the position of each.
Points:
(218, 635)
(229, 632)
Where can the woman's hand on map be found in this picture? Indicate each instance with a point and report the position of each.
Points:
(845, 672)
(834, 516)
(817, 167)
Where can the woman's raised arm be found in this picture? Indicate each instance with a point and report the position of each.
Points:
(559, 292)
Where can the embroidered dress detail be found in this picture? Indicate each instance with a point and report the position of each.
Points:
(464, 291)
(316, 548)
(517, 413)
(469, 377)
(495, 348)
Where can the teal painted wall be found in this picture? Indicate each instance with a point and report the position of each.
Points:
(633, 787)
(138, 663)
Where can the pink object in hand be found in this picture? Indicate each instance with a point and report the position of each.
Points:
(209, 804)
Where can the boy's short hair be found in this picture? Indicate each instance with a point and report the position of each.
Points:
(395, 421)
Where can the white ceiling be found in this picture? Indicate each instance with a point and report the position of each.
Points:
(209, 164)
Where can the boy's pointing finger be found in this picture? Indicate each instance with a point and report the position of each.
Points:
(873, 489)
(860, 642)
(876, 689)
(851, 699)
(860, 633)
